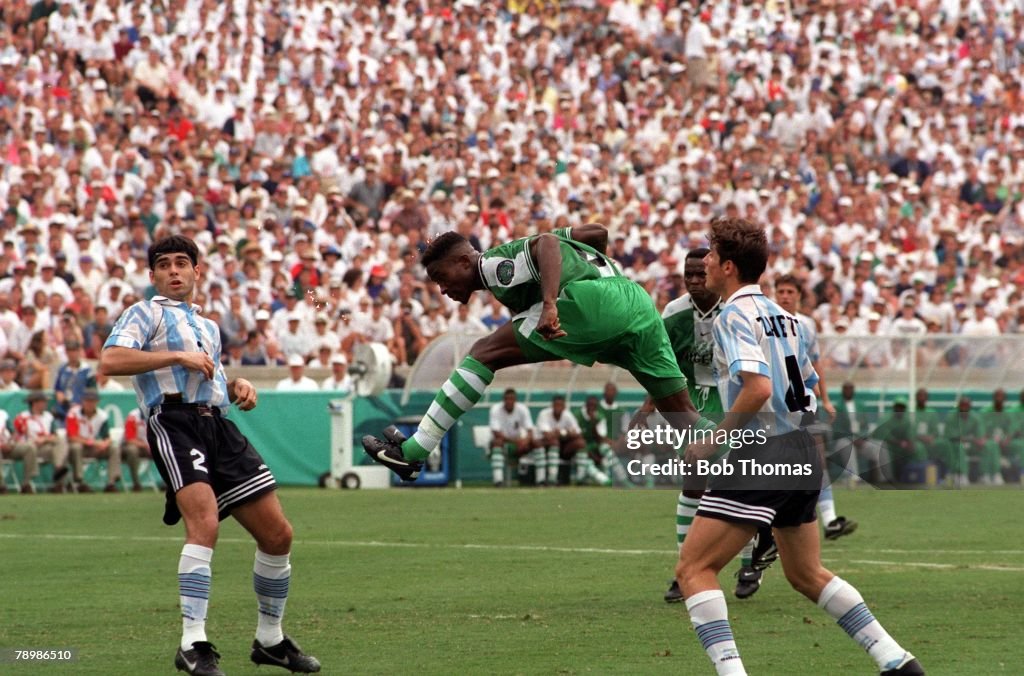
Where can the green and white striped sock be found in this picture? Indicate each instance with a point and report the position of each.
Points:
(747, 554)
(498, 465)
(579, 465)
(554, 462)
(539, 466)
(459, 393)
(613, 465)
(686, 509)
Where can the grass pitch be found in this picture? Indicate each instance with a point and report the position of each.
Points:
(484, 581)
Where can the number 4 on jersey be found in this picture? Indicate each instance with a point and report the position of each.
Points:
(797, 398)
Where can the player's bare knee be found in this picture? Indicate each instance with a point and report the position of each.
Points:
(487, 351)
(693, 493)
(688, 570)
(681, 570)
(277, 539)
(202, 530)
(809, 581)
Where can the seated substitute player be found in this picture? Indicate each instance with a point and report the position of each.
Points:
(615, 416)
(88, 434)
(210, 469)
(512, 432)
(36, 440)
(570, 301)
(594, 425)
(789, 294)
(762, 367)
(134, 445)
(563, 438)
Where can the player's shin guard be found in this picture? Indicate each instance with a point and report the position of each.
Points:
(710, 618)
(846, 606)
(554, 462)
(827, 505)
(194, 592)
(459, 393)
(270, 579)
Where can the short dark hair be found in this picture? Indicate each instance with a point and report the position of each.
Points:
(699, 252)
(441, 247)
(742, 242)
(173, 244)
(508, 391)
(790, 280)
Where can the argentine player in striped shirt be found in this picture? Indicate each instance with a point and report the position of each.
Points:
(765, 379)
(211, 470)
(789, 294)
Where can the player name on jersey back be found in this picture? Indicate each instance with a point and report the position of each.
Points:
(779, 326)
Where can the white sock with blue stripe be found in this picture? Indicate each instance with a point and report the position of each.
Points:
(710, 618)
(827, 505)
(194, 592)
(846, 606)
(270, 577)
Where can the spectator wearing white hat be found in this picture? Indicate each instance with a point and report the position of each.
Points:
(297, 380)
(339, 380)
(48, 282)
(296, 339)
(324, 333)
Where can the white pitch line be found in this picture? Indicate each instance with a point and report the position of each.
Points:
(941, 566)
(537, 548)
(1012, 552)
(349, 543)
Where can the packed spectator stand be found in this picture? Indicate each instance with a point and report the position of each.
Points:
(312, 148)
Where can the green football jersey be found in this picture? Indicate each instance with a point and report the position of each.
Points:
(510, 273)
(593, 428)
(689, 331)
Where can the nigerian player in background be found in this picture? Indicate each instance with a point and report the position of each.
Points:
(766, 382)
(594, 430)
(568, 300)
(789, 294)
(689, 320)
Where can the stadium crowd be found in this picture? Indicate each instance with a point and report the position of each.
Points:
(311, 148)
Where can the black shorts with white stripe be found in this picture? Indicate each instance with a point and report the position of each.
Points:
(768, 500)
(195, 444)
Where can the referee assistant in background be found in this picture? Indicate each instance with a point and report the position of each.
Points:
(211, 470)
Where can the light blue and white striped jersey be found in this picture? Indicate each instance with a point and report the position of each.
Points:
(163, 324)
(754, 335)
(810, 331)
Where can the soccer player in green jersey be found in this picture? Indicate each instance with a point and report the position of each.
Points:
(1003, 434)
(594, 429)
(569, 301)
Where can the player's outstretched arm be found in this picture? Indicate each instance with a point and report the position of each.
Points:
(126, 361)
(593, 235)
(546, 250)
